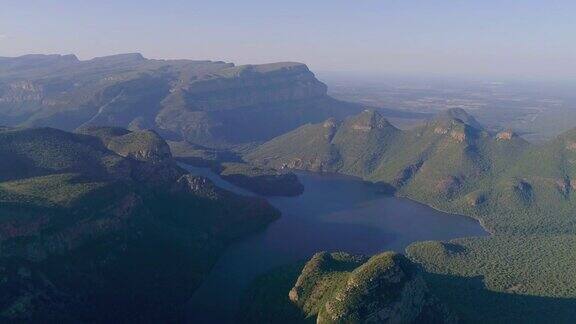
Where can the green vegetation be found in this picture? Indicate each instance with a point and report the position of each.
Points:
(264, 181)
(343, 288)
(503, 278)
(103, 226)
(522, 193)
(266, 300)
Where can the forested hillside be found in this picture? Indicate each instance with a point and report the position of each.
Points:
(522, 193)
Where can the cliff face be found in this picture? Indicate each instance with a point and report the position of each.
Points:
(387, 288)
(208, 103)
(251, 85)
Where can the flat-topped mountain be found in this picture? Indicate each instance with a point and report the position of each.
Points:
(202, 102)
(102, 225)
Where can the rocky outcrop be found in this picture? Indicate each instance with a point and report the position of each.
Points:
(441, 130)
(458, 136)
(456, 133)
(198, 186)
(571, 146)
(505, 135)
(387, 288)
(331, 146)
(19, 92)
(369, 120)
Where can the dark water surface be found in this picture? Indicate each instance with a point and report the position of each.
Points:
(335, 213)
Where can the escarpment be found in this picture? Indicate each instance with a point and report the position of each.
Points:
(201, 102)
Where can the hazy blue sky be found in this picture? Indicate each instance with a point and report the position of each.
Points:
(525, 38)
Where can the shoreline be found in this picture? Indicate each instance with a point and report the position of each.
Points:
(323, 173)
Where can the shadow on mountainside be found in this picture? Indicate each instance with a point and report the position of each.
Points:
(469, 298)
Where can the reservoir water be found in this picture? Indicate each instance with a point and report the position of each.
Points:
(335, 213)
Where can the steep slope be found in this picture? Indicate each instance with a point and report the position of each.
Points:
(449, 162)
(203, 102)
(342, 288)
(522, 193)
(103, 226)
(353, 146)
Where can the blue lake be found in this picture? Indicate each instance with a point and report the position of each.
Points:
(335, 213)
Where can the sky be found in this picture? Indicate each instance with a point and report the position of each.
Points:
(494, 38)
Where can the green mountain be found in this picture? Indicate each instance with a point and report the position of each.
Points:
(202, 102)
(522, 193)
(343, 288)
(102, 225)
(450, 161)
(353, 146)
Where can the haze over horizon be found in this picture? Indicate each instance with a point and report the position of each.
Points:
(528, 39)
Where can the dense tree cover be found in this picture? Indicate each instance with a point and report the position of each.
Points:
(522, 193)
(342, 288)
(104, 226)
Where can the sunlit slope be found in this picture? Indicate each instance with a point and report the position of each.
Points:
(522, 193)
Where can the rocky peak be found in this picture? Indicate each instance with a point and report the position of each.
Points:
(330, 123)
(386, 288)
(458, 115)
(505, 135)
(198, 186)
(369, 120)
(457, 124)
(455, 129)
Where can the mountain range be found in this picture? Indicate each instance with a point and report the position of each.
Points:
(522, 193)
(202, 102)
(99, 223)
